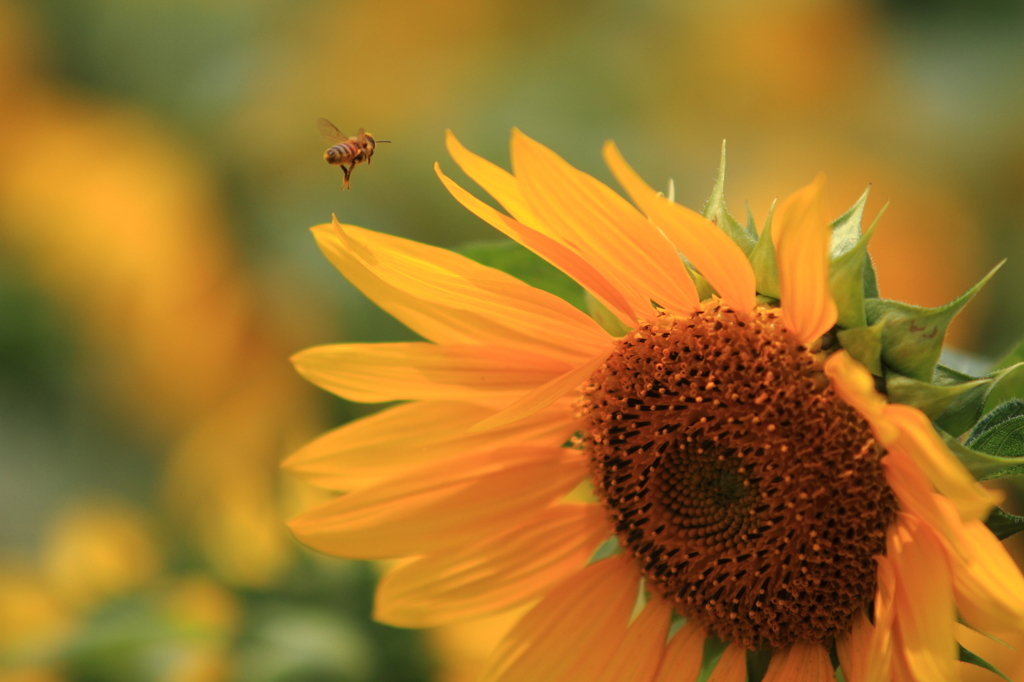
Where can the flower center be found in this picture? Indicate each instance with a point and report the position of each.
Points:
(751, 495)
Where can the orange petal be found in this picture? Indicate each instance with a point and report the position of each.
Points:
(379, 446)
(497, 182)
(604, 228)
(554, 252)
(802, 252)
(684, 654)
(543, 396)
(950, 477)
(638, 656)
(573, 633)
(925, 615)
(521, 316)
(495, 574)
(448, 504)
(856, 386)
(382, 372)
(732, 667)
(802, 662)
(711, 251)
(855, 651)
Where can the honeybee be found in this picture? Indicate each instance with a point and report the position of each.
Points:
(346, 152)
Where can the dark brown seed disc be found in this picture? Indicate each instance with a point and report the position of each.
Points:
(751, 495)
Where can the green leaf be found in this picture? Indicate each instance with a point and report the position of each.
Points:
(931, 399)
(912, 336)
(846, 282)
(713, 650)
(518, 261)
(1001, 435)
(982, 465)
(762, 259)
(864, 344)
(968, 408)
(974, 659)
(846, 228)
(1003, 524)
(716, 211)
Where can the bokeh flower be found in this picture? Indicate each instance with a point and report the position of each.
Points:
(765, 481)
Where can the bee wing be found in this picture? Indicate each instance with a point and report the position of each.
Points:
(329, 132)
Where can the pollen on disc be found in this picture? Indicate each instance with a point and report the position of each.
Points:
(751, 495)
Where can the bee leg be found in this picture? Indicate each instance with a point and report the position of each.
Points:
(348, 174)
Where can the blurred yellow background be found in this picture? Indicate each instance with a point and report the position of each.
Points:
(159, 168)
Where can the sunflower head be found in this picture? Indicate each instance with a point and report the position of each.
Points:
(773, 452)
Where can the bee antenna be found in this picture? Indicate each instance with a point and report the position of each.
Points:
(379, 141)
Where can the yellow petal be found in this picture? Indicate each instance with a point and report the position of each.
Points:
(379, 446)
(448, 504)
(949, 476)
(802, 250)
(879, 662)
(855, 652)
(497, 182)
(493, 575)
(711, 251)
(856, 386)
(382, 372)
(987, 584)
(684, 654)
(916, 494)
(440, 324)
(604, 228)
(523, 317)
(554, 252)
(543, 396)
(802, 662)
(638, 656)
(732, 667)
(925, 614)
(573, 633)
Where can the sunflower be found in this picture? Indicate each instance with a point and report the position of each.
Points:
(710, 479)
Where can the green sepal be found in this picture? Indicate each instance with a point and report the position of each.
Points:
(1010, 386)
(974, 659)
(757, 664)
(716, 211)
(605, 550)
(762, 259)
(846, 282)
(517, 260)
(864, 344)
(751, 223)
(1015, 356)
(713, 650)
(846, 228)
(604, 317)
(1004, 525)
(968, 408)
(912, 336)
(982, 465)
(930, 398)
(704, 288)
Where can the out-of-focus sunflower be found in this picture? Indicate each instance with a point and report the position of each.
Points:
(753, 421)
